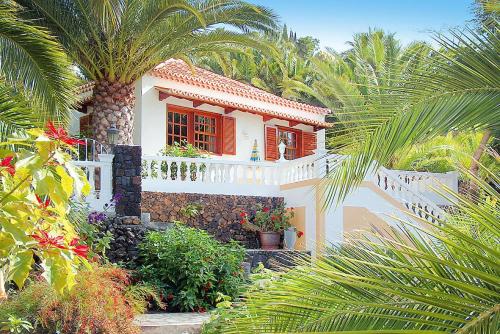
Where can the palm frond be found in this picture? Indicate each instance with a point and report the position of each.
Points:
(440, 279)
(31, 59)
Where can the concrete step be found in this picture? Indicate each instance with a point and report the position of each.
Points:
(171, 323)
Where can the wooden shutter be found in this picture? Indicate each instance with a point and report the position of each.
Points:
(228, 135)
(271, 142)
(308, 143)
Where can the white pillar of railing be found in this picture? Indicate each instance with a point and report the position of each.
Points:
(106, 164)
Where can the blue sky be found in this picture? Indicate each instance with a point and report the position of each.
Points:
(333, 22)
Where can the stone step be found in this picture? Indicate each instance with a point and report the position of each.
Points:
(171, 323)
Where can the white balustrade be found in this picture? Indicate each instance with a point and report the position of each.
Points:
(209, 176)
(99, 174)
(413, 200)
(428, 184)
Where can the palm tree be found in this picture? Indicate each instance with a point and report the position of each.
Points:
(271, 70)
(452, 89)
(442, 279)
(36, 82)
(115, 42)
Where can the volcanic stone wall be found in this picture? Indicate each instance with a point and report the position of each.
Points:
(219, 215)
(127, 180)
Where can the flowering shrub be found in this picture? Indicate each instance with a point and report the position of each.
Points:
(191, 268)
(36, 182)
(267, 220)
(100, 302)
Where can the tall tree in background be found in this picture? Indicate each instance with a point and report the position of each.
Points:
(274, 69)
(115, 42)
(36, 82)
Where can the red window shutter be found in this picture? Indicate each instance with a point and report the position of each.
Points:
(228, 135)
(271, 143)
(308, 143)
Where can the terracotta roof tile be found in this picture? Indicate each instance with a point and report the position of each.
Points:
(178, 70)
(240, 106)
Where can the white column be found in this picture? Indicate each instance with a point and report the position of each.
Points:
(106, 162)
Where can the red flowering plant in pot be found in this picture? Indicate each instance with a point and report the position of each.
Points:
(268, 223)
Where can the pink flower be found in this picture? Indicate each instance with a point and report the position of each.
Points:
(7, 164)
(61, 135)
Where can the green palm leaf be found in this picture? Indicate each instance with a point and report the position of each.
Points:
(32, 62)
(443, 278)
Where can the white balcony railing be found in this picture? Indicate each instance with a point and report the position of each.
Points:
(99, 174)
(173, 174)
(426, 184)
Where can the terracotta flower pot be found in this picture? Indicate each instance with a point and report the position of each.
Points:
(269, 240)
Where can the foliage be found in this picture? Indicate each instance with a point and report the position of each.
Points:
(191, 210)
(443, 154)
(424, 278)
(143, 296)
(184, 150)
(100, 302)
(89, 227)
(268, 220)
(36, 81)
(190, 267)
(16, 325)
(269, 70)
(454, 89)
(36, 183)
(119, 41)
(228, 310)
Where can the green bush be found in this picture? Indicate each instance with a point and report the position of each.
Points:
(191, 268)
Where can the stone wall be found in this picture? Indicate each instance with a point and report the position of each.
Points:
(127, 179)
(220, 214)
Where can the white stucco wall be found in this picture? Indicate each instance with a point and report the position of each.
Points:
(151, 122)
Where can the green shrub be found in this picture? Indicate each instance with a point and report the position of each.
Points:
(191, 268)
(102, 301)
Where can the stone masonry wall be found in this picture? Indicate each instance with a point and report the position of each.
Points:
(127, 179)
(220, 214)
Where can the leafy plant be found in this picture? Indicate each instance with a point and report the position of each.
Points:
(102, 301)
(191, 210)
(36, 183)
(190, 267)
(16, 325)
(117, 42)
(425, 278)
(268, 220)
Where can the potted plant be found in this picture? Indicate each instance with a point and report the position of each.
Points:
(269, 224)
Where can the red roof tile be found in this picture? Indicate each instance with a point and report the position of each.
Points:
(178, 70)
(240, 106)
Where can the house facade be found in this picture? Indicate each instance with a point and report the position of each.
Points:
(259, 149)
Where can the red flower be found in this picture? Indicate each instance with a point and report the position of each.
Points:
(80, 250)
(243, 214)
(300, 234)
(46, 241)
(61, 135)
(273, 217)
(7, 164)
(265, 209)
(43, 205)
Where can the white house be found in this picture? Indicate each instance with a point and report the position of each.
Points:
(227, 119)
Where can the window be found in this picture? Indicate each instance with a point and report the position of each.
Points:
(178, 123)
(291, 140)
(205, 132)
(201, 129)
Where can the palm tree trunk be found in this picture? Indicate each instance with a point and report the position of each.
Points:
(472, 187)
(113, 105)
